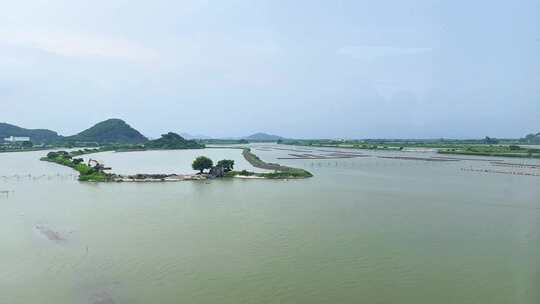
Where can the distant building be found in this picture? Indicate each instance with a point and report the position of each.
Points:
(16, 139)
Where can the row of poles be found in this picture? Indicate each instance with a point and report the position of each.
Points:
(19, 177)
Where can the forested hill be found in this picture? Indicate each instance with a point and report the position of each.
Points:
(110, 131)
(37, 136)
(172, 141)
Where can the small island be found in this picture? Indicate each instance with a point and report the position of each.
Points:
(93, 171)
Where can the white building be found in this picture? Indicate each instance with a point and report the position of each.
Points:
(16, 139)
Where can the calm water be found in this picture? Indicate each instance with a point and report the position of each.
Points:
(365, 230)
(169, 161)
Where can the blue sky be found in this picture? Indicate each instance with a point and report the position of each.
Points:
(333, 69)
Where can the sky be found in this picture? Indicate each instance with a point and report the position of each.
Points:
(299, 69)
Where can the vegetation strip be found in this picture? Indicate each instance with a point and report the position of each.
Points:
(96, 172)
(494, 151)
(280, 172)
(485, 147)
(86, 172)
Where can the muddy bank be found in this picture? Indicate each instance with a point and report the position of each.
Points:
(329, 156)
(288, 149)
(461, 158)
(418, 158)
(501, 172)
(515, 165)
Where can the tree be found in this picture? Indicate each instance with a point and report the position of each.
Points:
(27, 144)
(490, 141)
(227, 164)
(246, 173)
(532, 138)
(201, 163)
(52, 155)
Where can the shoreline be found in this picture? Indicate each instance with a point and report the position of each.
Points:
(96, 173)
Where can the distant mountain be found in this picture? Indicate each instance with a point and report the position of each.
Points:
(37, 136)
(110, 131)
(196, 136)
(172, 141)
(263, 137)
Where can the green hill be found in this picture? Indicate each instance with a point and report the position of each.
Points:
(172, 141)
(37, 136)
(110, 131)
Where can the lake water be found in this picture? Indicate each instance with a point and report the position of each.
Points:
(167, 161)
(363, 230)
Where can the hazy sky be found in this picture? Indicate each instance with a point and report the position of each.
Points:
(354, 69)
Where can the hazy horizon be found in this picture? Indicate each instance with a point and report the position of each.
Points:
(248, 133)
(307, 69)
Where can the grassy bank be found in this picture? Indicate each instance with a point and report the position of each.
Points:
(493, 150)
(281, 172)
(86, 172)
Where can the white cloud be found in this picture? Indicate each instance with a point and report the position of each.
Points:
(373, 52)
(70, 44)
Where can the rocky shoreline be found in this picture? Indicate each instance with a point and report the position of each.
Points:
(159, 177)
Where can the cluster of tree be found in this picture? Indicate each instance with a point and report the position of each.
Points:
(172, 141)
(22, 145)
(58, 154)
(490, 141)
(226, 164)
(63, 155)
(202, 163)
(532, 139)
(86, 171)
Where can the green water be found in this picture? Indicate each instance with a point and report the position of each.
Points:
(365, 230)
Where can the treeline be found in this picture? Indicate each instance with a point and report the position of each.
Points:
(372, 143)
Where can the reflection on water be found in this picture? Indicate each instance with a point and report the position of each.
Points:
(364, 229)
